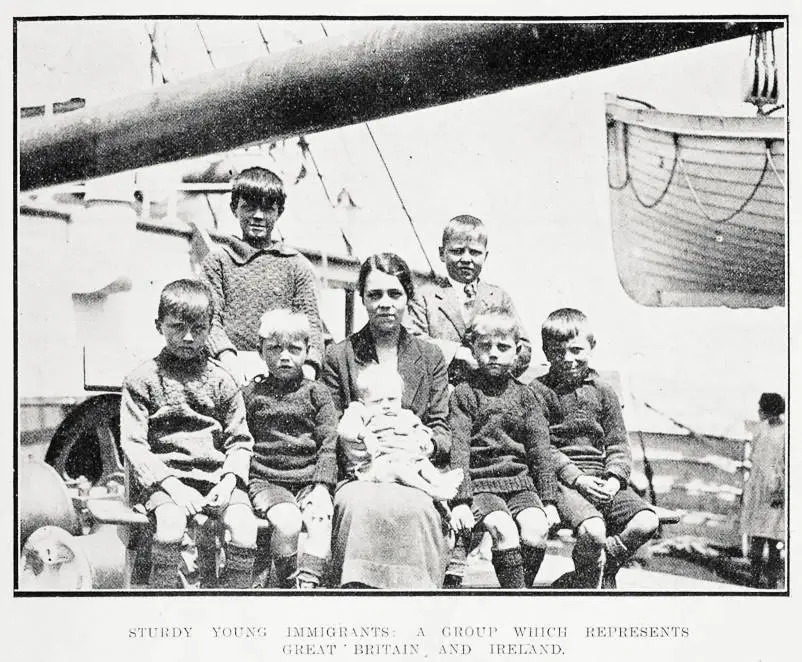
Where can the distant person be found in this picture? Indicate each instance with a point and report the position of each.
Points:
(255, 274)
(763, 511)
(183, 432)
(501, 441)
(593, 458)
(443, 311)
(294, 467)
(379, 410)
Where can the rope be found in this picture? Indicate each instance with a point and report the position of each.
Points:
(400, 199)
(659, 198)
(154, 54)
(264, 38)
(626, 168)
(745, 202)
(773, 166)
(205, 45)
(679, 161)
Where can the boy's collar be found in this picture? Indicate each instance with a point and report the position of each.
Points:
(460, 287)
(167, 355)
(553, 383)
(242, 252)
(285, 386)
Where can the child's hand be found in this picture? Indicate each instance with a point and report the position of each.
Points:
(592, 488)
(233, 366)
(552, 516)
(612, 486)
(184, 496)
(220, 494)
(317, 503)
(462, 518)
(465, 355)
(309, 371)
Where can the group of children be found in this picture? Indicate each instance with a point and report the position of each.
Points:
(523, 457)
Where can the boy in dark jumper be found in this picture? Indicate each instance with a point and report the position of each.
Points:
(501, 441)
(294, 467)
(183, 432)
(257, 273)
(592, 458)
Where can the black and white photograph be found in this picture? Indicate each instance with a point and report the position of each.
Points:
(481, 321)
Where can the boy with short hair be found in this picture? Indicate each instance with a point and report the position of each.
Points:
(592, 458)
(183, 432)
(255, 274)
(443, 311)
(294, 467)
(501, 440)
(377, 410)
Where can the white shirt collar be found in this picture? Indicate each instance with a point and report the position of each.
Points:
(459, 288)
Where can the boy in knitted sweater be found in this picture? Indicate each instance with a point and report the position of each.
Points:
(592, 458)
(294, 467)
(501, 440)
(377, 410)
(255, 274)
(183, 432)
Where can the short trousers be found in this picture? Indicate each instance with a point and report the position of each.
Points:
(511, 503)
(616, 513)
(159, 497)
(269, 494)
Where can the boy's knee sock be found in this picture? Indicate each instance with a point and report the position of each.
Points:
(508, 565)
(588, 565)
(165, 558)
(617, 554)
(774, 567)
(238, 572)
(310, 572)
(286, 566)
(532, 560)
(756, 558)
(455, 571)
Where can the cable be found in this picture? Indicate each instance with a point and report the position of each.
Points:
(400, 199)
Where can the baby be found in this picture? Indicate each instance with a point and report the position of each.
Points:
(401, 456)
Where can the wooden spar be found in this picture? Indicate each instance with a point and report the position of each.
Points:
(396, 68)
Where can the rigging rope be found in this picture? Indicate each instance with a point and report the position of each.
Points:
(401, 200)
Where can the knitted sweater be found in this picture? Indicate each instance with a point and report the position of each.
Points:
(592, 438)
(183, 418)
(246, 281)
(500, 438)
(295, 432)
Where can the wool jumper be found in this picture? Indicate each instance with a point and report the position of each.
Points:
(294, 426)
(592, 438)
(500, 438)
(183, 418)
(247, 281)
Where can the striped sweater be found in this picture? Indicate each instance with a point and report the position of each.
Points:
(591, 437)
